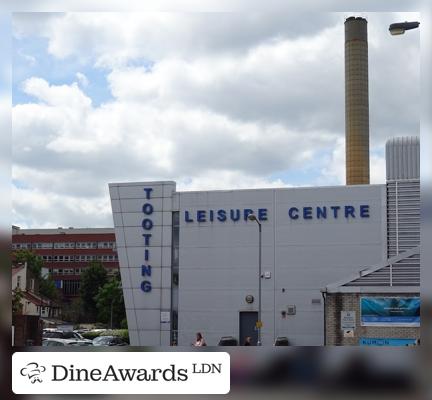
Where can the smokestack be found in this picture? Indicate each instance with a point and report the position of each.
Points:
(356, 102)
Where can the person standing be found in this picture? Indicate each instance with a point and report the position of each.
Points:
(248, 341)
(199, 342)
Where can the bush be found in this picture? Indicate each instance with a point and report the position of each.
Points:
(123, 333)
(91, 334)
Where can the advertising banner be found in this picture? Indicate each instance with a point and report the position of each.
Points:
(387, 342)
(390, 311)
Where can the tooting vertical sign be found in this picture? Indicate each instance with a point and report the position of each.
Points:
(147, 226)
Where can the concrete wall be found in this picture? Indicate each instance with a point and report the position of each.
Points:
(219, 260)
(146, 304)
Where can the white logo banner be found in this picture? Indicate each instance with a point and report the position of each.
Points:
(120, 373)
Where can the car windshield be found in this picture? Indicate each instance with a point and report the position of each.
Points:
(70, 335)
(103, 339)
(54, 334)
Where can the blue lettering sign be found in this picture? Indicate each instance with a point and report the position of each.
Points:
(221, 215)
(235, 215)
(147, 209)
(147, 237)
(148, 191)
(187, 217)
(321, 212)
(262, 214)
(307, 212)
(335, 210)
(293, 213)
(364, 211)
(146, 286)
(145, 270)
(349, 210)
(211, 212)
(201, 216)
(147, 224)
(246, 213)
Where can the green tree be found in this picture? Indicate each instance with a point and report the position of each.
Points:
(17, 296)
(109, 300)
(48, 289)
(92, 279)
(74, 311)
(35, 264)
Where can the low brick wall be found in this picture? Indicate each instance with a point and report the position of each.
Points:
(28, 330)
(337, 302)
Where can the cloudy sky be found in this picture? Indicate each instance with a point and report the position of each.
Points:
(212, 101)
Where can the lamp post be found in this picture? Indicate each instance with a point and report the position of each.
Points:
(399, 28)
(252, 217)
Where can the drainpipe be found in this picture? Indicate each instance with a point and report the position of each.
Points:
(323, 294)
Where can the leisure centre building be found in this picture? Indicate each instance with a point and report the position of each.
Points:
(189, 261)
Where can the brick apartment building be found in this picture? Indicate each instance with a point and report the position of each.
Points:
(67, 252)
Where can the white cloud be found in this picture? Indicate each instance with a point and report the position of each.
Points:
(29, 59)
(82, 79)
(33, 208)
(211, 101)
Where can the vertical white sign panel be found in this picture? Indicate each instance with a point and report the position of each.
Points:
(142, 214)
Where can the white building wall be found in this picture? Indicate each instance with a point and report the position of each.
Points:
(147, 294)
(219, 261)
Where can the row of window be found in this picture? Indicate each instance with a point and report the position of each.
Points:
(81, 258)
(71, 287)
(76, 271)
(65, 245)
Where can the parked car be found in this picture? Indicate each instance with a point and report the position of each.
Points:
(109, 341)
(65, 342)
(57, 334)
(281, 341)
(228, 341)
(54, 342)
(82, 330)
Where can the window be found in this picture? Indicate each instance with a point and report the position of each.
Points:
(18, 281)
(71, 287)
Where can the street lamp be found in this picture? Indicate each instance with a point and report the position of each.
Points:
(252, 217)
(399, 28)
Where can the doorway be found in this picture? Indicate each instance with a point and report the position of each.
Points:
(248, 321)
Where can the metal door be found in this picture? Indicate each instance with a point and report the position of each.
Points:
(248, 321)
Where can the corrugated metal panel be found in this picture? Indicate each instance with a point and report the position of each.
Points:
(403, 158)
(403, 216)
(405, 272)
